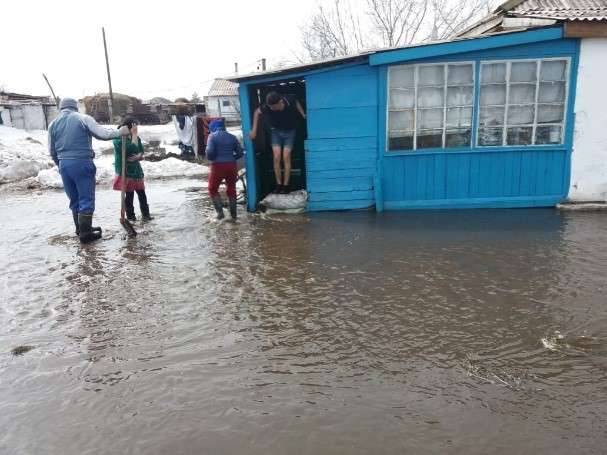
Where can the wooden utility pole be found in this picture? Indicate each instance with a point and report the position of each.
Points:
(52, 91)
(263, 64)
(109, 78)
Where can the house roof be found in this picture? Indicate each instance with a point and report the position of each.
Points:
(223, 87)
(567, 10)
(413, 51)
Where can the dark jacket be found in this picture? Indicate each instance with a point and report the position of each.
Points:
(223, 147)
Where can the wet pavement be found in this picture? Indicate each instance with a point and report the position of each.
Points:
(331, 333)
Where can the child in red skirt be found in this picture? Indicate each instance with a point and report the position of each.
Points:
(223, 150)
(134, 171)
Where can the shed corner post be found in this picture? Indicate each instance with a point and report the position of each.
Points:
(245, 119)
(382, 106)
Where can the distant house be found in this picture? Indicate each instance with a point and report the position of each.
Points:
(26, 112)
(223, 101)
(511, 114)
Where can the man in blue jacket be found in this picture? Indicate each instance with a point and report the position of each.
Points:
(223, 150)
(70, 145)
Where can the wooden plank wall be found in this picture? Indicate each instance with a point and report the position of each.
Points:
(341, 150)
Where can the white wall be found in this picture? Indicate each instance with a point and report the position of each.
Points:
(212, 108)
(589, 158)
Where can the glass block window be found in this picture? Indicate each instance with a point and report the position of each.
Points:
(522, 102)
(430, 106)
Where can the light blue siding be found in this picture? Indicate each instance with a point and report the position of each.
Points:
(341, 150)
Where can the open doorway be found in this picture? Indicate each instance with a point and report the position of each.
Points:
(266, 182)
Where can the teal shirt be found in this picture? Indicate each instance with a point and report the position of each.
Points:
(133, 168)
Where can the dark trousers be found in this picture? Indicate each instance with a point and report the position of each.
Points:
(143, 203)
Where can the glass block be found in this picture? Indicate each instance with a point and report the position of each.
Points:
(550, 113)
(490, 136)
(520, 115)
(553, 70)
(429, 118)
(493, 72)
(459, 96)
(402, 98)
(459, 116)
(429, 139)
(521, 94)
(404, 141)
(458, 138)
(460, 74)
(430, 97)
(552, 92)
(431, 75)
(493, 94)
(519, 136)
(523, 72)
(549, 134)
(400, 120)
(492, 116)
(402, 76)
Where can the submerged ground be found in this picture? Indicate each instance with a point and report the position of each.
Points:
(330, 333)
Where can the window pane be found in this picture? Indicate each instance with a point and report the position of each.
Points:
(429, 119)
(459, 74)
(493, 94)
(550, 113)
(553, 70)
(521, 115)
(402, 98)
(458, 138)
(492, 116)
(519, 136)
(402, 76)
(401, 120)
(523, 72)
(548, 134)
(429, 139)
(430, 97)
(490, 136)
(493, 72)
(459, 116)
(431, 75)
(521, 94)
(404, 141)
(459, 96)
(552, 92)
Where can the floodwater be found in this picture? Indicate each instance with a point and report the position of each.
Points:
(468, 332)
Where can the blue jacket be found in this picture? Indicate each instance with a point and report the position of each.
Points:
(223, 147)
(69, 136)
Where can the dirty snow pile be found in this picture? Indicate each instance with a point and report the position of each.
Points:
(24, 156)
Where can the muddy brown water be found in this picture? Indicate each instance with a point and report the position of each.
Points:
(333, 333)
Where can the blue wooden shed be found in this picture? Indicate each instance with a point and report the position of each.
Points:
(475, 122)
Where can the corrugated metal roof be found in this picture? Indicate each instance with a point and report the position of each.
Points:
(222, 87)
(568, 10)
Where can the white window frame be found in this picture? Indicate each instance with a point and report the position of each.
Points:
(536, 103)
(445, 86)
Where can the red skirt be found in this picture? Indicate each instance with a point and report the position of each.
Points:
(131, 184)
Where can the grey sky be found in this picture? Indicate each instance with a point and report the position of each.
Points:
(156, 48)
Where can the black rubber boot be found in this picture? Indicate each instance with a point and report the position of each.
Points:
(75, 216)
(144, 207)
(218, 207)
(129, 207)
(86, 233)
(233, 212)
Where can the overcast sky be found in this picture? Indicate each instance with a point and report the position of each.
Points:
(156, 48)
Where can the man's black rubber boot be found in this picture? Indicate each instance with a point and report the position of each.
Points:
(233, 212)
(87, 235)
(218, 207)
(75, 216)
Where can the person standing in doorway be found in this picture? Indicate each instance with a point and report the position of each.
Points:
(223, 150)
(280, 113)
(134, 172)
(70, 145)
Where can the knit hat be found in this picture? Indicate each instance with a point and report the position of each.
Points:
(217, 124)
(68, 103)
